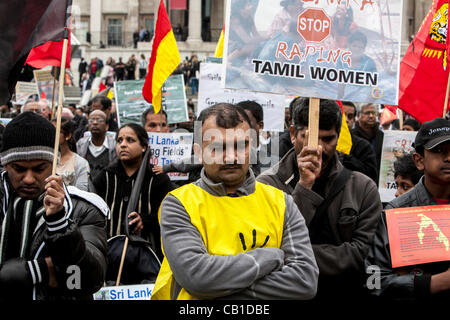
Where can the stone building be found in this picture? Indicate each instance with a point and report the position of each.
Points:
(105, 28)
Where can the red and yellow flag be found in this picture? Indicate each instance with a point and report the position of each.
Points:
(423, 69)
(219, 47)
(164, 59)
(345, 138)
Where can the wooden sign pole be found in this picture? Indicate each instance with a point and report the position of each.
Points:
(446, 97)
(313, 122)
(60, 102)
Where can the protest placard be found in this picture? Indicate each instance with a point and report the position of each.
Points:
(396, 143)
(418, 235)
(47, 85)
(174, 99)
(24, 90)
(168, 147)
(340, 50)
(211, 93)
(128, 292)
(131, 104)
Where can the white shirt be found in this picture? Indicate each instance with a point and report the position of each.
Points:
(96, 151)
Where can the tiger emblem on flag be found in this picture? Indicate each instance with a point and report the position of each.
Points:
(438, 30)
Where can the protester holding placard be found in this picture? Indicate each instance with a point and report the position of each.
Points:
(341, 207)
(417, 281)
(114, 185)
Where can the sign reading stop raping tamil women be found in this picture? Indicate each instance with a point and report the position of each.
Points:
(330, 49)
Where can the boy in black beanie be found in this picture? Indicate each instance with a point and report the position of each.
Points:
(49, 233)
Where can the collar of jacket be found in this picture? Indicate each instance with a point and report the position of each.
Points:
(369, 135)
(219, 190)
(417, 196)
(117, 168)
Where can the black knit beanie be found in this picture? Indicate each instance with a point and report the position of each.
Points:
(28, 137)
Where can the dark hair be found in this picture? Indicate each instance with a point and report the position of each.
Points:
(405, 167)
(68, 127)
(254, 107)
(227, 115)
(151, 110)
(140, 132)
(358, 36)
(330, 114)
(104, 101)
(351, 104)
(413, 123)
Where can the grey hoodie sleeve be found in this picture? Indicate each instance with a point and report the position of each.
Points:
(201, 274)
(298, 277)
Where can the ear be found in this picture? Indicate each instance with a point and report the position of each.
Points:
(292, 134)
(261, 125)
(418, 161)
(198, 152)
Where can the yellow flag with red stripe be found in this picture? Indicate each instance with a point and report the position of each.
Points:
(164, 59)
(345, 138)
(219, 47)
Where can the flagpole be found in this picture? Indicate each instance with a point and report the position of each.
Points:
(446, 96)
(60, 101)
(52, 116)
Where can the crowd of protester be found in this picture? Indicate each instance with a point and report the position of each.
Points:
(307, 227)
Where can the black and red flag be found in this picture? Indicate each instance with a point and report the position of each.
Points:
(24, 25)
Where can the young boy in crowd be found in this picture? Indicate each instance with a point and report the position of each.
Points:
(416, 282)
(406, 174)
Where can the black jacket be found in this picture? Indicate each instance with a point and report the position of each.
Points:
(114, 186)
(361, 158)
(410, 282)
(349, 223)
(375, 138)
(78, 248)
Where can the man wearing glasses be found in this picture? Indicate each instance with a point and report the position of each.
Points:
(367, 127)
(32, 106)
(361, 157)
(97, 148)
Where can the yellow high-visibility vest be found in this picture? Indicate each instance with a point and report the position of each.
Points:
(228, 226)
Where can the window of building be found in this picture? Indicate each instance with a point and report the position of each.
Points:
(115, 34)
(81, 29)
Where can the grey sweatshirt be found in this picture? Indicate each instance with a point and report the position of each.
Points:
(289, 272)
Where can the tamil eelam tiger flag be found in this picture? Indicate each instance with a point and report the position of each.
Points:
(424, 71)
(219, 48)
(164, 59)
(26, 24)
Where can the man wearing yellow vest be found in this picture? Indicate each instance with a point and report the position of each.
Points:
(226, 235)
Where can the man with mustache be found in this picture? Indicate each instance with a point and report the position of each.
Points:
(341, 207)
(226, 235)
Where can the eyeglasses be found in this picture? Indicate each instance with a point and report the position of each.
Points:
(350, 116)
(99, 120)
(370, 113)
(38, 111)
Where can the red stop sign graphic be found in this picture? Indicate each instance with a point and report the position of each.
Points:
(314, 25)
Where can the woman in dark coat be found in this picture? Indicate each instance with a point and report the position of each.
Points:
(114, 185)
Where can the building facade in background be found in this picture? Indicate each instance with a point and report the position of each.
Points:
(120, 28)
